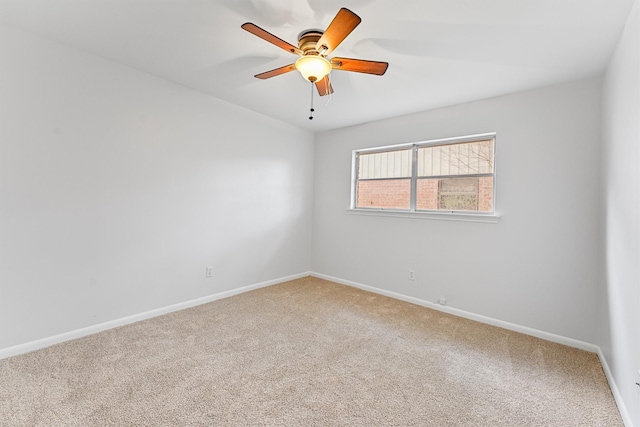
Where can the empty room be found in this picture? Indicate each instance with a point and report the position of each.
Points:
(319, 213)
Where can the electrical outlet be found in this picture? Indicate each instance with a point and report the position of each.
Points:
(412, 275)
(209, 272)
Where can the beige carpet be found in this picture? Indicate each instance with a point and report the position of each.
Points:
(306, 353)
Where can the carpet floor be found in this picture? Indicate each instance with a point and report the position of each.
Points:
(306, 353)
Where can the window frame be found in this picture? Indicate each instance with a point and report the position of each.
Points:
(413, 212)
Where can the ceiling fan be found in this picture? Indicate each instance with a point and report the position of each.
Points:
(314, 46)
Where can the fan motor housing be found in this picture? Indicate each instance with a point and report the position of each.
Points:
(308, 39)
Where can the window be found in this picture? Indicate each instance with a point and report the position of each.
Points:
(452, 175)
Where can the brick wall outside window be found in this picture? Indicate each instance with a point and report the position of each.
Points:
(485, 194)
(389, 194)
(395, 194)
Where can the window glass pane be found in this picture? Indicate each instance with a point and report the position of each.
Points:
(455, 194)
(388, 164)
(384, 193)
(466, 158)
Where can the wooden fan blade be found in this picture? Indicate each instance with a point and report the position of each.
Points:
(359, 65)
(276, 72)
(263, 34)
(341, 26)
(324, 86)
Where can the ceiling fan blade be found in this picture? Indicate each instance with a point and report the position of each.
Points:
(263, 34)
(359, 65)
(276, 72)
(324, 86)
(341, 26)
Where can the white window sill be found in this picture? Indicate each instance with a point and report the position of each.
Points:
(444, 216)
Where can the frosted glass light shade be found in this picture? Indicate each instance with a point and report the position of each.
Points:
(313, 68)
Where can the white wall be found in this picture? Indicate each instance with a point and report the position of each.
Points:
(620, 315)
(117, 189)
(538, 267)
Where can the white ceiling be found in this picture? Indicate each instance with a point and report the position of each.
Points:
(440, 52)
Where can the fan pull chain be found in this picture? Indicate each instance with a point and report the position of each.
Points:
(311, 109)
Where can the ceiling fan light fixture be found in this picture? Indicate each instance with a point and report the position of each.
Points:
(313, 67)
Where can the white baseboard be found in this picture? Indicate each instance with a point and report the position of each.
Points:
(79, 333)
(624, 413)
(467, 315)
(501, 324)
